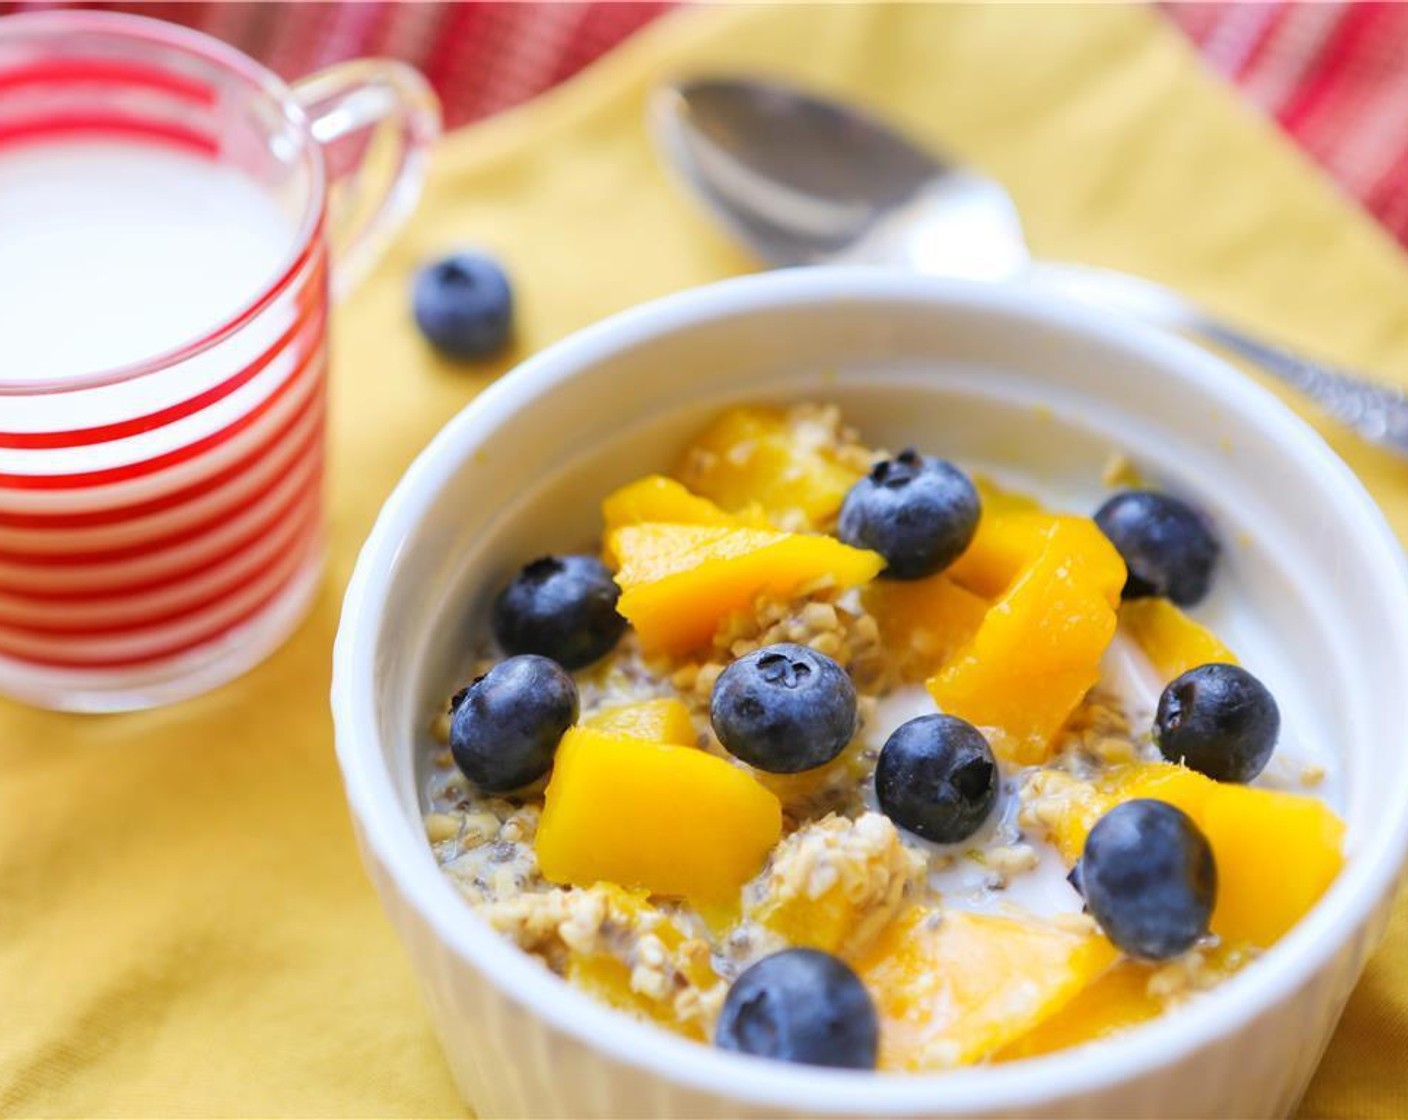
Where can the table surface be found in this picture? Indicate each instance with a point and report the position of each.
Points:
(186, 930)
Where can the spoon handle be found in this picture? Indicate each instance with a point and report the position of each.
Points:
(1377, 412)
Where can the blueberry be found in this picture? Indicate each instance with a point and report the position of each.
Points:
(463, 305)
(784, 709)
(937, 777)
(505, 727)
(1166, 544)
(801, 1005)
(1218, 720)
(1149, 879)
(919, 513)
(1073, 877)
(563, 607)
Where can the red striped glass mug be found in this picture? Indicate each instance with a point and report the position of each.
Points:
(166, 268)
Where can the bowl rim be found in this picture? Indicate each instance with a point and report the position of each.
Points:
(1340, 916)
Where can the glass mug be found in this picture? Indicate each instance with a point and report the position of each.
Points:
(161, 523)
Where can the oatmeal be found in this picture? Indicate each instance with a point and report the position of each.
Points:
(825, 730)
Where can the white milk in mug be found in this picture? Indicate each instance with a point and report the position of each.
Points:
(112, 252)
(162, 369)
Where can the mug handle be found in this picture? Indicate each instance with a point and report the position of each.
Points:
(376, 121)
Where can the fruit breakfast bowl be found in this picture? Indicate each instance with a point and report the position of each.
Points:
(1028, 391)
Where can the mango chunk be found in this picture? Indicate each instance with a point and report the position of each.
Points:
(608, 978)
(607, 973)
(1253, 832)
(679, 582)
(1173, 642)
(1038, 649)
(834, 884)
(924, 622)
(952, 988)
(1122, 998)
(796, 464)
(1070, 807)
(670, 820)
(1009, 538)
(663, 720)
(657, 498)
(1116, 1002)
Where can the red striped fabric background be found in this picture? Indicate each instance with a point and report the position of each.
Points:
(1333, 75)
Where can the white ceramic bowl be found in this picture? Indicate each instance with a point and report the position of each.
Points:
(1313, 593)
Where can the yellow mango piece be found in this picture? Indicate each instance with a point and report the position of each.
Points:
(657, 498)
(1250, 830)
(608, 979)
(663, 720)
(1173, 642)
(1007, 541)
(1011, 532)
(820, 923)
(1116, 1002)
(952, 988)
(786, 462)
(1161, 781)
(923, 622)
(1119, 1000)
(870, 869)
(679, 582)
(607, 975)
(1084, 803)
(670, 820)
(1038, 649)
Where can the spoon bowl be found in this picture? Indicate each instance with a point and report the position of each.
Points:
(803, 177)
(803, 180)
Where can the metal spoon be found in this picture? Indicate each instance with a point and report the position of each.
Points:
(803, 180)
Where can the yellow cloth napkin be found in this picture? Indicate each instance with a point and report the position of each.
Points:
(184, 928)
